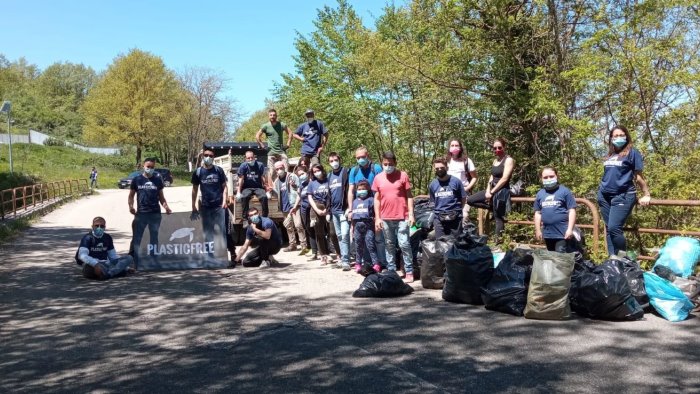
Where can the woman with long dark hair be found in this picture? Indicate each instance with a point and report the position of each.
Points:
(320, 202)
(496, 197)
(617, 194)
(460, 166)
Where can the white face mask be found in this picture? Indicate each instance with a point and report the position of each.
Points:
(318, 174)
(335, 165)
(208, 161)
(280, 173)
(389, 169)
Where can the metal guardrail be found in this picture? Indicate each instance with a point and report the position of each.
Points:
(595, 226)
(22, 198)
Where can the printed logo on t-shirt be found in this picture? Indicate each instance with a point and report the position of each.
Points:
(444, 192)
(148, 186)
(360, 208)
(98, 248)
(210, 179)
(551, 202)
(335, 183)
(613, 161)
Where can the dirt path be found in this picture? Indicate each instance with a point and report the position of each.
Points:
(292, 329)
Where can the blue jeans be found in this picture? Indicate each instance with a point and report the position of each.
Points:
(211, 218)
(398, 233)
(364, 242)
(342, 231)
(110, 269)
(615, 208)
(141, 221)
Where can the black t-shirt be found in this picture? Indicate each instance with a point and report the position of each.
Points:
(211, 182)
(98, 247)
(147, 190)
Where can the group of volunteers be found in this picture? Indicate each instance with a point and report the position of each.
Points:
(363, 213)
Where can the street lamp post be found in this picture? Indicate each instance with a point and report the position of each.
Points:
(7, 107)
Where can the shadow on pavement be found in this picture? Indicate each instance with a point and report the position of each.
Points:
(243, 330)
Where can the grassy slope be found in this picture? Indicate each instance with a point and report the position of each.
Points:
(52, 163)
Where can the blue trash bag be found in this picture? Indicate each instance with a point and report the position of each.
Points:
(666, 298)
(680, 255)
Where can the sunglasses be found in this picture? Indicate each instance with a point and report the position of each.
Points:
(208, 155)
(498, 148)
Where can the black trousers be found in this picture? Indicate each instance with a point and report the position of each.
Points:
(247, 194)
(264, 248)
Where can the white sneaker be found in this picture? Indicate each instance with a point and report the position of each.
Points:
(265, 264)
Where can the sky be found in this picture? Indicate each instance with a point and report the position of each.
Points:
(250, 42)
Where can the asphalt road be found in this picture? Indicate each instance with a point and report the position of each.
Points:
(293, 328)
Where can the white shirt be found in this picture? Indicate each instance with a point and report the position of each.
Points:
(456, 169)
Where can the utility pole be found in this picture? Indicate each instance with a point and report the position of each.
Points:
(7, 108)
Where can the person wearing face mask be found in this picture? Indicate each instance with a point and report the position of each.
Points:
(263, 235)
(340, 229)
(319, 196)
(285, 187)
(148, 189)
(313, 136)
(393, 210)
(555, 214)
(365, 170)
(362, 218)
(460, 166)
(211, 180)
(617, 193)
(302, 204)
(496, 197)
(449, 197)
(251, 181)
(97, 255)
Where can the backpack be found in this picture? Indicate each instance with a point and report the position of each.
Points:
(92, 243)
(219, 171)
(466, 170)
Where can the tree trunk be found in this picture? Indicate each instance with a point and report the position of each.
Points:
(138, 155)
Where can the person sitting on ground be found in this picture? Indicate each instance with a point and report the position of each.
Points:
(262, 234)
(555, 207)
(449, 197)
(251, 180)
(362, 222)
(97, 255)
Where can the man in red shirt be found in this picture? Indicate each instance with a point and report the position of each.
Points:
(393, 210)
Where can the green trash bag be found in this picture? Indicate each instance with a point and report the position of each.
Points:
(548, 293)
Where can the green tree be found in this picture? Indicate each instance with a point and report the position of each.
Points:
(134, 103)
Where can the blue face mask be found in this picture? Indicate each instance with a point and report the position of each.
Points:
(208, 161)
(148, 171)
(550, 184)
(255, 219)
(362, 193)
(303, 178)
(389, 169)
(619, 142)
(98, 232)
(250, 162)
(362, 161)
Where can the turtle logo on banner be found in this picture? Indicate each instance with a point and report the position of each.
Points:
(183, 243)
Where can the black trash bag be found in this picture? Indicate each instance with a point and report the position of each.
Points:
(470, 231)
(507, 290)
(604, 293)
(423, 212)
(433, 261)
(548, 292)
(635, 279)
(385, 284)
(468, 268)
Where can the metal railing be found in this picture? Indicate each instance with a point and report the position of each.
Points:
(596, 227)
(23, 198)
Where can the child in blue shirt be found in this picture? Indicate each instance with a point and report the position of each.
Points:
(555, 214)
(362, 221)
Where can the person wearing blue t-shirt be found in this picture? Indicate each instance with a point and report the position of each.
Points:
(313, 136)
(97, 255)
(362, 218)
(448, 195)
(148, 189)
(263, 235)
(251, 181)
(555, 214)
(340, 229)
(617, 193)
(211, 181)
(319, 196)
(366, 170)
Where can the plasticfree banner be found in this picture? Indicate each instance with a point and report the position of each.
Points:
(182, 244)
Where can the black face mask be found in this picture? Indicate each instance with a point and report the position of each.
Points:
(440, 173)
